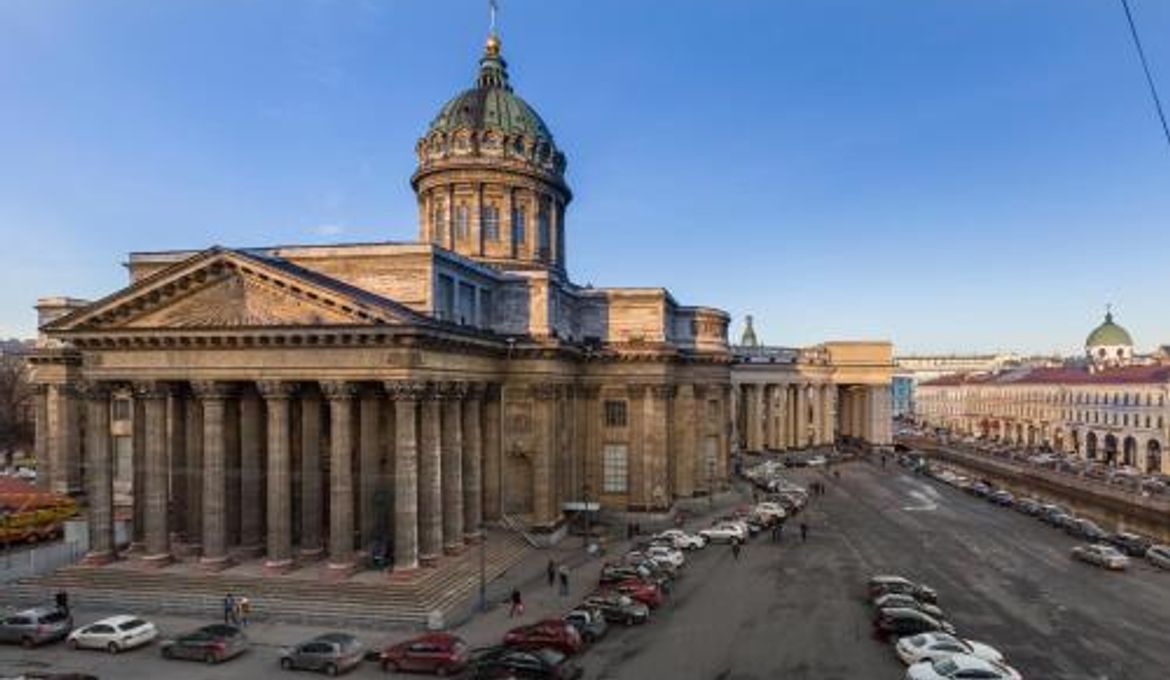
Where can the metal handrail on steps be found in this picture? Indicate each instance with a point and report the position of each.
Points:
(515, 525)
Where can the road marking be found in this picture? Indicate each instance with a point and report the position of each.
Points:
(924, 500)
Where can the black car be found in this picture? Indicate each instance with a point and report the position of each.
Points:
(917, 591)
(510, 662)
(1027, 506)
(210, 644)
(897, 622)
(1131, 544)
(1086, 529)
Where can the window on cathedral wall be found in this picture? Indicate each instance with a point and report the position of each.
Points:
(519, 225)
(445, 298)
(485, 308)
(542, 232)
(461, 220)
(467, 311)
(121, 410)
(490, 220)
(439, 220)
(124, 458)
(615, 468)
(616, 413)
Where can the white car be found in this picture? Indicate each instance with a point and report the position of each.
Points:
(961, 666)
(724, 533)
(1159, 556)
(682, 540)
(661, 553)
(1101, 555)
(930, 646)
(769, 509)
(818, 461)
(115, 634)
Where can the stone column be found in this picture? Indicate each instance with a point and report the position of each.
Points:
(655, 437)
(543, 424)
(406, 397)
(369, 463)
(63, 439)
(802, 416)
(47, 472)
(688, 423)
(591, 447)
(279, 479)
(783, 428)
(769, 416)
(828, 410)
(814, 406)
(251, 476)
(138, 475)
(472, 464)
(213, 398)
(430, 484)
(341, 555)
(312, 503)
(193, 443)
(722, 449)
(492, 465)
(451, 465)
(157, 536)
(99, 475)
(177, 462)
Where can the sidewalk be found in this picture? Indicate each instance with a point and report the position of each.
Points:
(542, 601)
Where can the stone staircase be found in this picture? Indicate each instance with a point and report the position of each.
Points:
(369, 600)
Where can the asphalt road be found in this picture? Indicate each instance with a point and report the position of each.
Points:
(797, 611)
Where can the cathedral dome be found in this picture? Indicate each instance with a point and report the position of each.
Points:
(1108, 334)
(490, 108)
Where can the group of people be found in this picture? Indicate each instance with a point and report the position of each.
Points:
(236, 610)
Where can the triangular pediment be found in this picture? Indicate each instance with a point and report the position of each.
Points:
(232, 289)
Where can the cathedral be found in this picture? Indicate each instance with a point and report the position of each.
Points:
(294, 404)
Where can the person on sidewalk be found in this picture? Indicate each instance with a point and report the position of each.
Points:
(803, 532)
(245, 610)
(62, 599)
(735, 549)
(551, 570)
(229, 608)
(563, 574)
(517, 608)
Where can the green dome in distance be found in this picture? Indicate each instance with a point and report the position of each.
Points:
(1108, 334)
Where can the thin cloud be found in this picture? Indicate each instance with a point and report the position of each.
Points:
(328, 229)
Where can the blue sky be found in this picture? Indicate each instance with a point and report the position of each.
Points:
(950, 174)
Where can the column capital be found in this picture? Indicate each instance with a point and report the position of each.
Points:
(151, 389)
(405, 390)
(451, 390)
(543, 391)
(338, 390)
(590, 391)
(475, 390)
(637, 390)
(212, 389)
(276, 389)
(93, 389)
(662, 391)
(491, 391)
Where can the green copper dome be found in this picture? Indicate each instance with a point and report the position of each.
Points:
(1108, 334)
(491, 104)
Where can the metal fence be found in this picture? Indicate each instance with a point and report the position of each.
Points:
(18, 563)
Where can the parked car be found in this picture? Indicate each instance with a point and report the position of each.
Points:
(961, 666)
(210, 644)
(553, 633)
(933, 646)
(514, 662)
(1027, 506)
(438, 653)
(1131, 544)
(36, 626)
(899, 622)
(618, 608)
(1101, 555)
(1056, 518)
(1159, 556)
(663, 554)
(724, 533)
(589, 622)
(770, 509)
(331, 653)
(886, 584)
(616, 573)
(893, 600)
(682, 540)
(640, 591)
(1002, 497)
(114, 634)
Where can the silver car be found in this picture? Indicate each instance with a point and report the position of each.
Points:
(37, 626)
(1159, 556)
(331, 653)
(1101, 555)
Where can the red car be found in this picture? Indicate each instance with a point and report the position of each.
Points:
(438, 653)
(553, 633)
(648, 594)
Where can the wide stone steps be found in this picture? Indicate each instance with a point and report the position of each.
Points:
(447, 589)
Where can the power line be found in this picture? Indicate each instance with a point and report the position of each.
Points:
(1137, 42)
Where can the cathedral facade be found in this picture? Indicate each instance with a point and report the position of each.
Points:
(294, 403)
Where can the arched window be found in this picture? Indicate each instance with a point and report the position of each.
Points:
(461, 214)
(519, 225)
(490, 220)
(543, 237)
(439, 220)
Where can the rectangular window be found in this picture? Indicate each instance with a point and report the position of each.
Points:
(439, 221)
(519, 225)
(543, 239)
(461, 221)
(466, 304)
(445, 300)
(615, 413)
(491, 222)
(616, 471)
(123, 459)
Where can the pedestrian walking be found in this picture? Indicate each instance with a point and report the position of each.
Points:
(803, 532)
(229, 608)
(780, 532)
(62, 599)
(552, 573)
(517, 608)
(735, 549)
(563, 575)
(245, 610)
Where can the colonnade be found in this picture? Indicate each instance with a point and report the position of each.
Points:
(295, 471)
(782, 416)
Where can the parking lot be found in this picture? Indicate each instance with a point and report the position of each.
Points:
(796, 610)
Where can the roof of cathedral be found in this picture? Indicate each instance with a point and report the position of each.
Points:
(1108, 334)
(491, 104)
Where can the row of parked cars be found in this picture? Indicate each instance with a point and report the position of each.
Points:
(1111, 550)
(908, 614)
